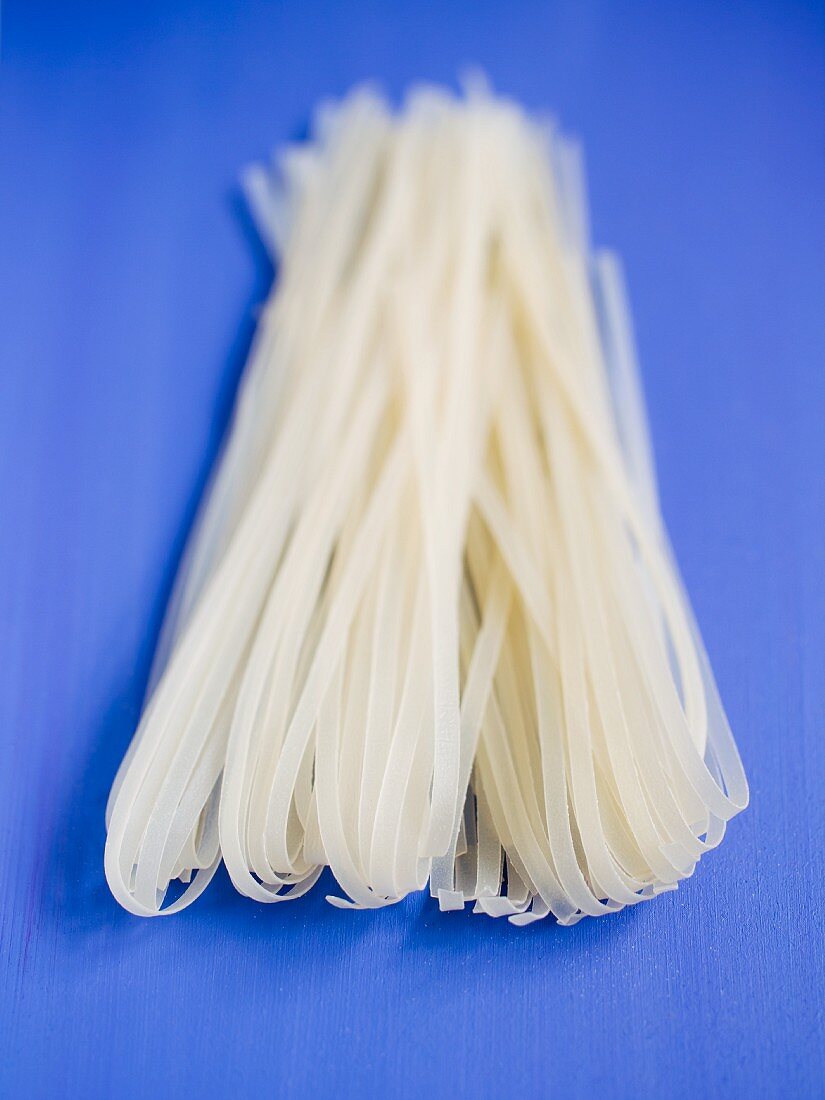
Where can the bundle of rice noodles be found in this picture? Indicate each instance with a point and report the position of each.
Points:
(429, 627)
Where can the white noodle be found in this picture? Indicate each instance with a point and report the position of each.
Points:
(429, 625)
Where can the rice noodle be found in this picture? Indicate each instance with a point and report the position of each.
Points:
(429, 626)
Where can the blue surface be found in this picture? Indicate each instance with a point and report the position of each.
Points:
(129, 281)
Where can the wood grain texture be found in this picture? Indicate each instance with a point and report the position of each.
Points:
(130, 279)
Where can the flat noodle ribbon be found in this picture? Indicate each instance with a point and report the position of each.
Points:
(429, 626)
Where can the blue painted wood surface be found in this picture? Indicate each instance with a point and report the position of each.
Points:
(129, 281)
